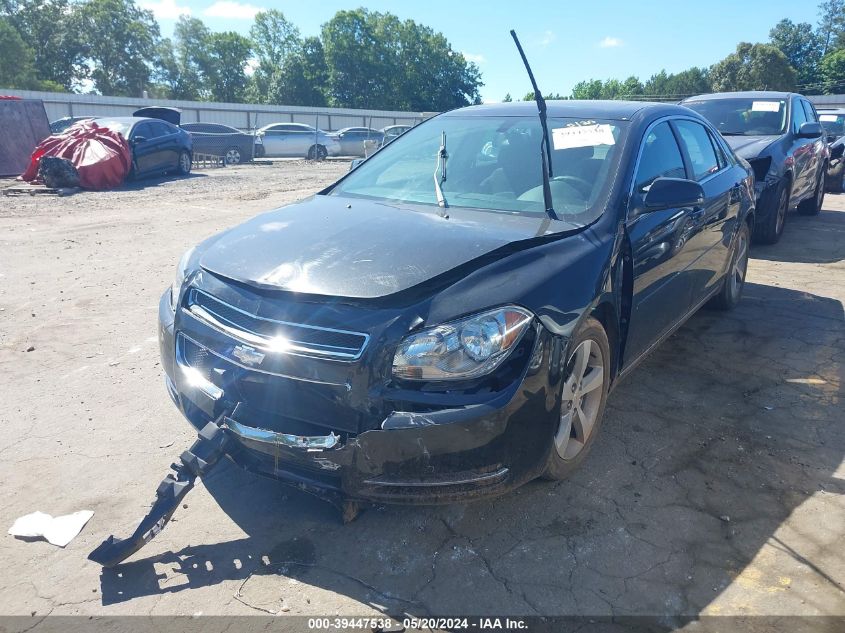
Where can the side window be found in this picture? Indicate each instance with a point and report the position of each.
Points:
(699, 147)
(809, 111)
(798, 115)
(142, 130)
(161, 129)
(660, 157)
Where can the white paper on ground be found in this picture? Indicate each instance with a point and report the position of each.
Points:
(57, 530)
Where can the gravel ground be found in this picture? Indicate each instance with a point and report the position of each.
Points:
(717, 486)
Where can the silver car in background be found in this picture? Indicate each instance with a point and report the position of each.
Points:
(352, 140)
(297, 140)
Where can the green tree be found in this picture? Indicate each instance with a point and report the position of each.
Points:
(801, 46)
(590, 89)
(274, 39)
(832, 72)
(120, 45)
(45, 26)
(753, 67)
(303, 78)
(831, 29)
(377, 61)
(16, 59)
(227, 56)
(632, 87)
(507, 98)
(185, 66)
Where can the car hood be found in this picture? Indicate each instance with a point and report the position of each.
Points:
(750, 146)
(350, 247)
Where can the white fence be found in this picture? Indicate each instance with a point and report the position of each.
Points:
(244, 116)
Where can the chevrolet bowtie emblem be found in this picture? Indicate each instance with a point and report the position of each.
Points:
(248, 355)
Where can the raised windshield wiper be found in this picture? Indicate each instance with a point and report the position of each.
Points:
(545, 153)
(440, 172)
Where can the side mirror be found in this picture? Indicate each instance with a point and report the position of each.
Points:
(139, 139)
(810, 129)
(667, 193)
(355, 162)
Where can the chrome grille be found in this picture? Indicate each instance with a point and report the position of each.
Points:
(281, 336)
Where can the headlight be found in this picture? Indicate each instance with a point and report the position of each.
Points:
(181, 272)
(463, 349)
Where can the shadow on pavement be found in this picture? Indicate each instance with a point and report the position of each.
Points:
(706, 450)
(828, 227)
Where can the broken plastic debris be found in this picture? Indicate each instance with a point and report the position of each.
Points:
(57, 530)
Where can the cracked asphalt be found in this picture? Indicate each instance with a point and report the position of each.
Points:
(717, 486)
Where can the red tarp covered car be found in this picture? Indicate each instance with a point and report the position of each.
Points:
(101, 156)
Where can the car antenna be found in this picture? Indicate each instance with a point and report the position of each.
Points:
(545, 153)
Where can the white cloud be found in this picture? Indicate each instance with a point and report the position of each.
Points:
(473, 57)
(548, 38)
(610, 42)
(166, 9)
(232, 10)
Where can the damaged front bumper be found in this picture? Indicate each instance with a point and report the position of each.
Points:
(450, 452)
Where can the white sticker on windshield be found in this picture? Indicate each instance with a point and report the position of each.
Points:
(582, 136)
(765, 106)
(827, 117)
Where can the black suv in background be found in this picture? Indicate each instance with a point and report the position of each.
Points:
(779, 134)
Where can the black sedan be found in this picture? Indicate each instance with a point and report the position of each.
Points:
(234, 146)
(446, 321)
(157, 147)
(779, 134)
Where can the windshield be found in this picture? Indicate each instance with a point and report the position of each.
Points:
(493, 163)
(833, 124)
(743, 116)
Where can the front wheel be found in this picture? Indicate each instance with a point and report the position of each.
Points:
(184, 164)
(769, 230)
(317, 152)
(731, 291)
(813, 206)
(582, 401)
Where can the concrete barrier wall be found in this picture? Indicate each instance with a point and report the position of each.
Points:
(243, 116)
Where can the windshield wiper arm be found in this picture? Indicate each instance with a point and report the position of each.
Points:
(545, 152)
(440, 172)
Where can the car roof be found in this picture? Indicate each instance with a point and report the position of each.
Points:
(126, 120)
(195, 123)
(287, 123)
(574, 108)
(746, 94)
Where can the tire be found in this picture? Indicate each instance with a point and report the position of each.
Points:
(317, 152)
(184, 167)
(232, 156)
(813, 206)
(770, 230)
(581, 398)
(731, 291)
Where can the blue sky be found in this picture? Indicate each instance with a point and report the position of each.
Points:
(565, 41)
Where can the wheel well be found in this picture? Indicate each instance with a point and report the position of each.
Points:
(605, 314)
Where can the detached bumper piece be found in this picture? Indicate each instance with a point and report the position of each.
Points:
(197, 461)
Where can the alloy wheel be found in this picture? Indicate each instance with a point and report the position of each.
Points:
(185, 162)
(233, 157)
(581, 399)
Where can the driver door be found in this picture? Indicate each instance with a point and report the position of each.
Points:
(659, 242)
